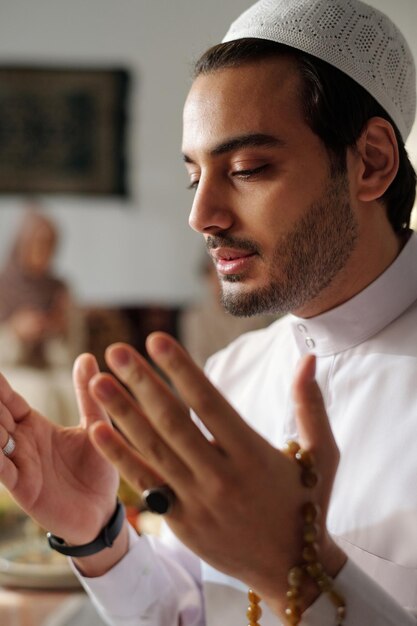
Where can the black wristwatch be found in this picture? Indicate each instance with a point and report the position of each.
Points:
(104, 540)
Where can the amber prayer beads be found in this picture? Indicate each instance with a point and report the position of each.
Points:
(254, 612)
(310, 565)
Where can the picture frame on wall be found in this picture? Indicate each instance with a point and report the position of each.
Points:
(63, 130)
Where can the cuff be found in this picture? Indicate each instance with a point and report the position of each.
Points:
(128, 589)
(366, 603)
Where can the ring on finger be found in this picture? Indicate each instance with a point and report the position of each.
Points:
(10, 446)
(158, 499)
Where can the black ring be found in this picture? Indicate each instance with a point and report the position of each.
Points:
(158, 499)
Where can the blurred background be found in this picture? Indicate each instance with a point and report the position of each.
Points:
(138, 248)
(135, 249)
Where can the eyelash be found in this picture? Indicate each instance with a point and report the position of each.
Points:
(248, 173)
(243, 174)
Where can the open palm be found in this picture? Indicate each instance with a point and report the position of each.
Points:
(55, 474)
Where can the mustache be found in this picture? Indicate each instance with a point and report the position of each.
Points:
(226, 241)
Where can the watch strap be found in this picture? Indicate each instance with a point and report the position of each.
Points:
(104, 540)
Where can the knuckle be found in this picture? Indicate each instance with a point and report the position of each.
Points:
(204, 400)
(118, 455)
(134, 377)
(220, 487)
(165, 420)
(156, 450)
(120, 408)
(175, 363)
(136, 481)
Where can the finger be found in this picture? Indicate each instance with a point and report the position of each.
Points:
(8, 469)
(13, 409)
(111, 445)
(229, 430)
(4, 436)
(13, 402)
(6, 420)
(134, 424)
(85, 367)
(8, 472)
(115, 401)
(312, 421)
(169, 417)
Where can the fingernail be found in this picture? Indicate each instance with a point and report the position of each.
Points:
(104, 389)
(120, 356)
(160, 345)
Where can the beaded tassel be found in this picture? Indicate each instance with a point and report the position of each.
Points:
(254, 611)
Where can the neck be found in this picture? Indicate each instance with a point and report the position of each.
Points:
(373, 254)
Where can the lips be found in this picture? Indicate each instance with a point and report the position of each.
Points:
(229, 254)
(232, 260)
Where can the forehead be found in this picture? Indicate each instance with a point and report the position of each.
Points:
(262, 97)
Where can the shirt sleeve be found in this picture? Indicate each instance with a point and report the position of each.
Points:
(366, 603)
(157, 583)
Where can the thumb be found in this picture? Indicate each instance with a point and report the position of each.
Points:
(85, 367)
(313, 423)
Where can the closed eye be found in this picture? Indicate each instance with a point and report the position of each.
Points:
(243, 174)
(249, 172)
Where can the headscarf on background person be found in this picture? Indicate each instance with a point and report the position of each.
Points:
(27, 280)
(33, 301)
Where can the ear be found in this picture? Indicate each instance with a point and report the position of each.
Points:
(376, 158)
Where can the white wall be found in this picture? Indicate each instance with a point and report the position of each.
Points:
(140, 250)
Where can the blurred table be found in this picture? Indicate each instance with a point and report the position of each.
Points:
(46, 608)
(28, 598)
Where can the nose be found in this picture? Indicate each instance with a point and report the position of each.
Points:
(210, 212)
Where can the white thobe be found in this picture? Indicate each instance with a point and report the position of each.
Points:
(367, 370)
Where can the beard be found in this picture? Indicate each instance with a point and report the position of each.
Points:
(304, 262)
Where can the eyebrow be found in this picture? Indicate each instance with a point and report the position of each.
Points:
(243, 141)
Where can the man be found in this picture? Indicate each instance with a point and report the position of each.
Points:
(303, 192)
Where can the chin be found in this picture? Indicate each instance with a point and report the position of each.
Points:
(242, 302)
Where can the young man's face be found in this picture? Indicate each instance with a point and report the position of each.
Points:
(277, 223)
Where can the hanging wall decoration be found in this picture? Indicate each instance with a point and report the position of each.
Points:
(63, 130)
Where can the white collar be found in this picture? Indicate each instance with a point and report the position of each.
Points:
(365, 314)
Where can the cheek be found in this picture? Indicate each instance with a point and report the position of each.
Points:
(277, 209)
(284, 202)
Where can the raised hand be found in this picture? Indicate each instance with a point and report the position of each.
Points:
(55, 474)
(237, 497)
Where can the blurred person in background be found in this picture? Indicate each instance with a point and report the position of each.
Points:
(40, 327)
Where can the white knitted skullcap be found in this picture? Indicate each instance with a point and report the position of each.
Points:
(357, 39)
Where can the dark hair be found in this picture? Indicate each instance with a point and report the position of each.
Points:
(336, 108)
